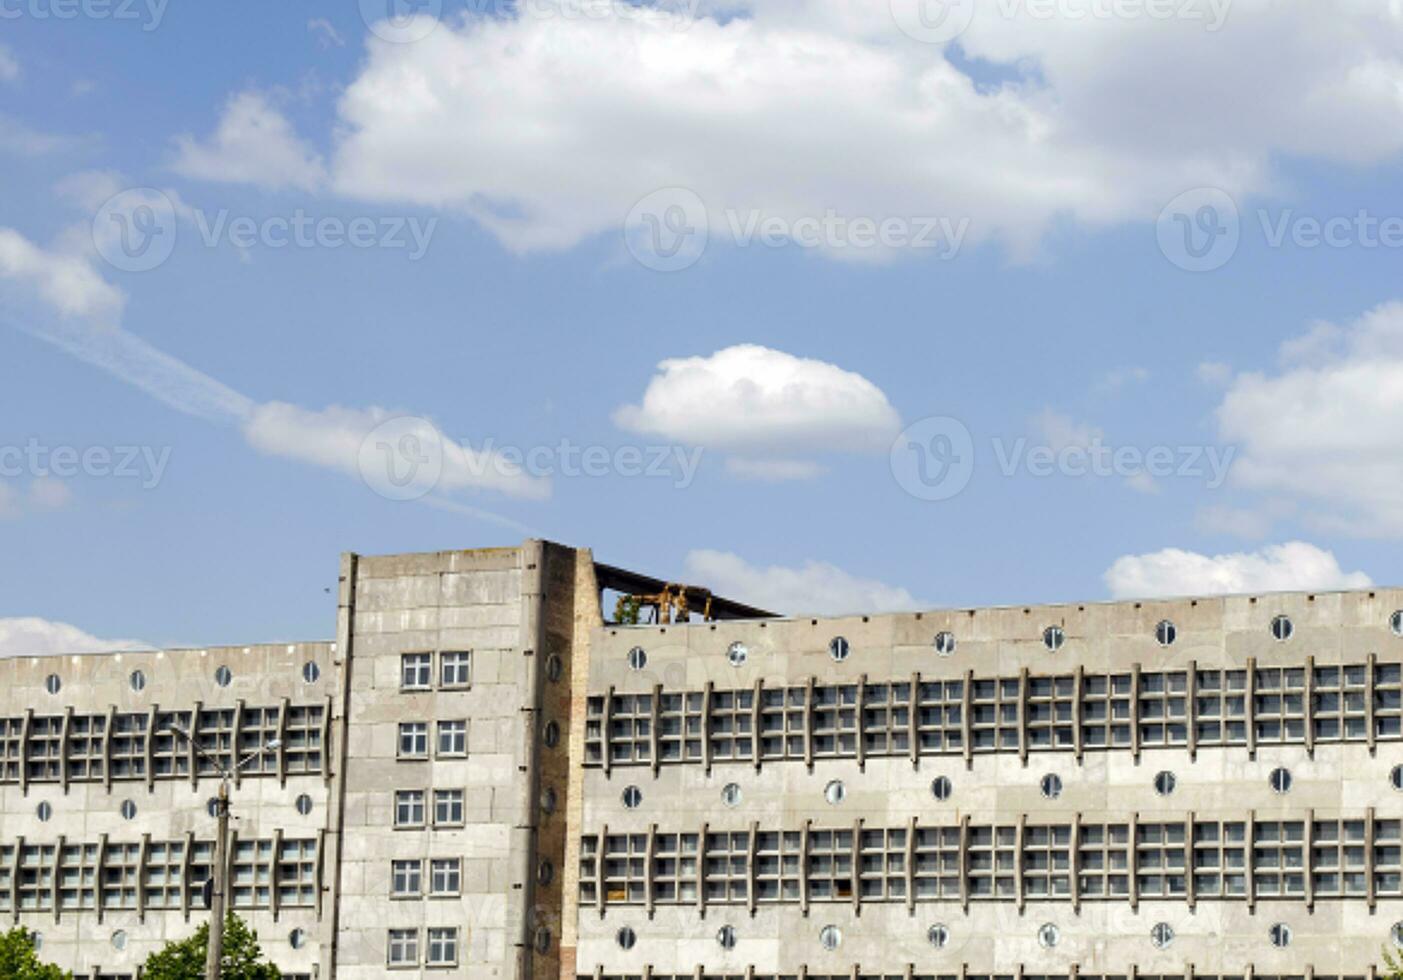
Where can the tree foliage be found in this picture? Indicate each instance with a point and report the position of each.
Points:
(185, 959)
(19, 961)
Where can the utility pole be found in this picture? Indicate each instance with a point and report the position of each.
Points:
(214, 955)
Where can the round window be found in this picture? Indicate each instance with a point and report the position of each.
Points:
(1280, 935)
(626, 938)
(137, 680)
(36, 940)
(1048, 935)
(1396, 777)
(638, 658)
(119, 940)
(52, 684)
(304, 804)
(838, 649)
(1395, 623)
(938, 936)
(297, 938)
(311, 672)
(726, 937)
(44, 811)
(554, 668)
(830, 937)
(1165, 783)
(222, 675)
(212, 806)
(731, 794)
(632, 796)
(1396, 934)
(1051, 786)
(835, 792)
(543, 940)
(1280, 780)
(940, 788)
(128, 810)
(1281, 628)
(737, 653)
(1053, 637)
(545, 872)
(945, 643)
(1162, 935)
(548, 800)
(551, 735)
(1165, 632)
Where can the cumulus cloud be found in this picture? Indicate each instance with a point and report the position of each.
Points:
(326, 33)
(1287, 567)
(1325, 427)
(29, 636)
(760, 403)
(549, 125)
(816, 587)
(65, 281)
(1058, 431)
(254, 143)
(336, 438)
(1214, 373)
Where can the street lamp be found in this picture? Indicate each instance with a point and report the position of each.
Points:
(215, 953)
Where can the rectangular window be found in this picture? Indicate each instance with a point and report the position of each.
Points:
(446, 876)
(453, 738)
(453, 668)
(406, 879)
(448, 807)
(443, 946)
(404, 947)
(409, 808)
(416, 671)
(413, 740)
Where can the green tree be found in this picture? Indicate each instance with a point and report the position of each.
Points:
(1395, 965)
(18, 961)
(185, 960)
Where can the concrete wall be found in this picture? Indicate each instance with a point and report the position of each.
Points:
(1215, 936)
(166, 808)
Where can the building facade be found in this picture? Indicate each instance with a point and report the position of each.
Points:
(481, 776)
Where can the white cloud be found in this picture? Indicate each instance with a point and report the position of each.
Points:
(1215, 373)
(29, 636)
(1325, 428)
(334, 437)
(65, 281)
(1122, 377)
(24, 140)
(90, 189)
(48, 493)
(549, 125)
(1292, 566)
(755, 401)
(1058, 431)
(773, 470)
(9, 67)
(1142, 482)
(326, 33)
(815, 588)
(254, 143)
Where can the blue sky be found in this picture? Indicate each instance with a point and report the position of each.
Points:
(1037, 173)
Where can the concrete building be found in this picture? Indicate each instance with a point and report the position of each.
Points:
(483, 777)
